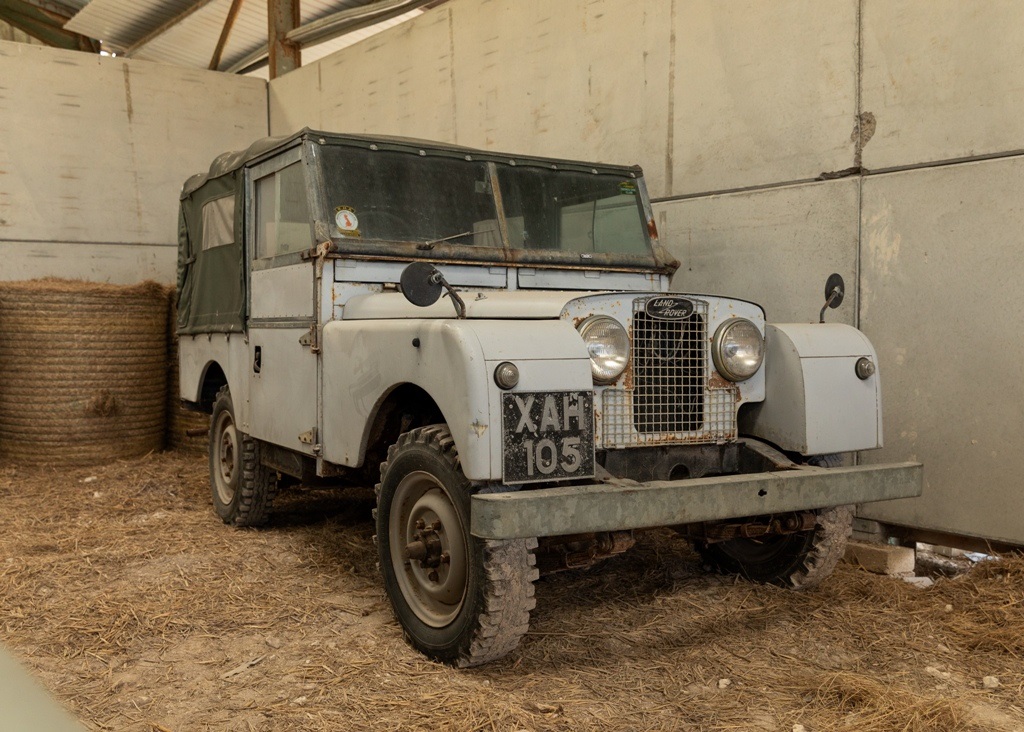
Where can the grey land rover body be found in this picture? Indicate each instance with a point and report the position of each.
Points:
(490, 340)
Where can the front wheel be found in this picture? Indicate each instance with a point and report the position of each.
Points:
(460, 600)
(800, 560)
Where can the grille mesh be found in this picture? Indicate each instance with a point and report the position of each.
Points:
(668, 400)
(668, 372)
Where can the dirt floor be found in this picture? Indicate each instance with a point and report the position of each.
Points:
(141, 611)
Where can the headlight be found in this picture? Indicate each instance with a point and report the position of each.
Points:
(608, 344)
(737, 349)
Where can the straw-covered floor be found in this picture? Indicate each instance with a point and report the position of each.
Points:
(141, 611)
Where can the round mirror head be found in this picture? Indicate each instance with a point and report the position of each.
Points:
(418, 284)
(834, 281)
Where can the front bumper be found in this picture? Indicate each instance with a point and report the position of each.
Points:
(620, 505)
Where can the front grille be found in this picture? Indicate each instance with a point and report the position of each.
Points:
(666, 397)
(668, 372)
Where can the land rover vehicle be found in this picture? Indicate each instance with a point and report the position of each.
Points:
(490, 340)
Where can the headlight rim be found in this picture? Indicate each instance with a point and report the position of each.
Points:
(718, 357)
(587, 324)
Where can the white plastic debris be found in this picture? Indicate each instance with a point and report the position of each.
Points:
(922, 582)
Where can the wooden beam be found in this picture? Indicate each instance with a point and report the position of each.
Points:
(224, 33)
(332, 26)
(282, 18)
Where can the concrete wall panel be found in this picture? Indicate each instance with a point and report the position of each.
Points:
(565, 79)
(942, 79)
(775, 247)
(94, 150)
(569, 80)
(398, 82)
(764, 92)
(702, 94)
(941, 302)
(383, 90)
(122, 264)
(294, 101)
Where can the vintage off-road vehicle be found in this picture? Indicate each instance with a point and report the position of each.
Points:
(490, 340)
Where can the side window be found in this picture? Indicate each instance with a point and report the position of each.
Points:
(282, 213)
(218, 222)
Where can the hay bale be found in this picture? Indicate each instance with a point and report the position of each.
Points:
(84, 376)
(181, 422)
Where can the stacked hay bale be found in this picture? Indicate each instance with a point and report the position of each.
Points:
(83, 376)
(186, 430)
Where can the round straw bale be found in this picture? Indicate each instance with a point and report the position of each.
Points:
(84, 371)
(186, 430)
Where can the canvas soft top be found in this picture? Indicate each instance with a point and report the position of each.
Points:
(229, 162)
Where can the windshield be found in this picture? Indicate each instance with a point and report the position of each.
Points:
(395, 196)
(573, 211)
(430, 199)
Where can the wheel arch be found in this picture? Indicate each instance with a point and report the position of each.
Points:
(403, 407)
(212, 379)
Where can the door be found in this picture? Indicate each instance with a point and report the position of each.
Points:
(282, 365)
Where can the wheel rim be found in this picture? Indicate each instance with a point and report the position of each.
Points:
(226, 458)
(423, 515)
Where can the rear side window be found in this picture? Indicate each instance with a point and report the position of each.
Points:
(219, 222)
(282, 213)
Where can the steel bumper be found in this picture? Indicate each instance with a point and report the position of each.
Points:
(622, 505)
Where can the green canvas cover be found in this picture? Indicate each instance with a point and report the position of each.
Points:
(211, 282)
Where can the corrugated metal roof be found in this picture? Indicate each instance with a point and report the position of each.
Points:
(122, 24)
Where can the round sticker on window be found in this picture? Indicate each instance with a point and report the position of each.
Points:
(346, 220)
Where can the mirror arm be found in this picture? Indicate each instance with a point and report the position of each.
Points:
(457, 301)
(836, 292)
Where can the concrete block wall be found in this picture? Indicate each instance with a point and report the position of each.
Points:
(927, 231)
(93, 153)
(576, 78)
(876, 138)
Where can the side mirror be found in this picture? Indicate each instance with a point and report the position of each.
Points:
(835, 289)
(421, 284)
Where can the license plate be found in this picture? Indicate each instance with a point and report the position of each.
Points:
(547, 435)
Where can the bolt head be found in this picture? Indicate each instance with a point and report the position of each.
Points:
(865, 368)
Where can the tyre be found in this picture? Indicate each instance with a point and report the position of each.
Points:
(461, 600)
(799, 561)
(242, 487)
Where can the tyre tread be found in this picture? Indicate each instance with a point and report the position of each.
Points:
(509, 568)
(258, 485)
(832, 529)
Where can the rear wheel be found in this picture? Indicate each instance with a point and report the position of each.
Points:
(243, 488)
(460, 600)
(800, 560)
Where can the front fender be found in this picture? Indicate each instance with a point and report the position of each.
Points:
(814, 401)
(453, 361)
